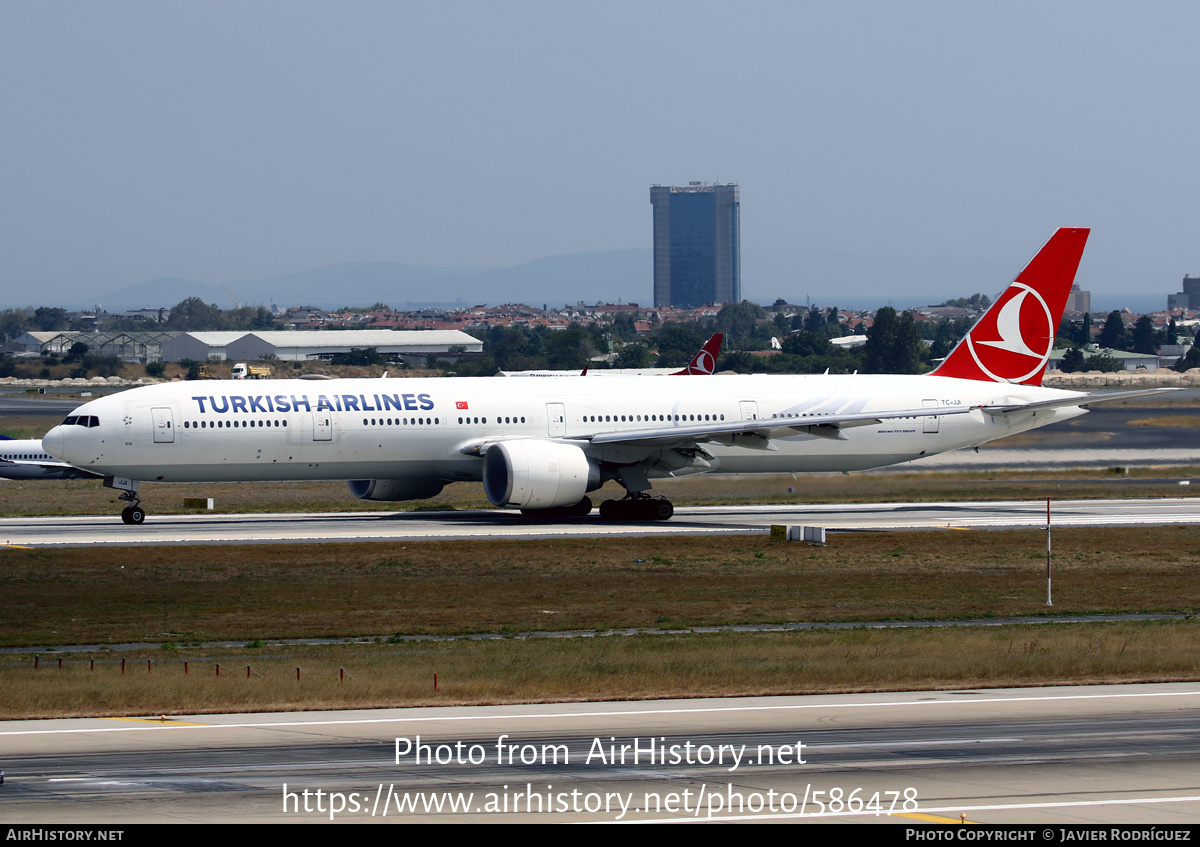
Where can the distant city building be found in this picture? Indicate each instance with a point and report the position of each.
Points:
(199, 346)
(1128, 361)
(1079, 300)
(1189, 298)
(697, 244)
(133, 346)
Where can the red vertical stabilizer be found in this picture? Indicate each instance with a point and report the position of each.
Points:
(1013, 339)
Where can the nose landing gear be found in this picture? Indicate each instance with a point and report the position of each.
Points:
(132, 514)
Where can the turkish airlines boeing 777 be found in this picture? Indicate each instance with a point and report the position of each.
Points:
(543, 444)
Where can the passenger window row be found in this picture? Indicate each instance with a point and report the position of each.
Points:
(233, 424)
(510, 419)
(636, 418)
(401, 421)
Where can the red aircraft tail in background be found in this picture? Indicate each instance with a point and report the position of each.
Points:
(704, 362)
(1013, 339)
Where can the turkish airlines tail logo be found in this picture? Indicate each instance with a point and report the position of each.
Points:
(704, 362)
(1013, 339)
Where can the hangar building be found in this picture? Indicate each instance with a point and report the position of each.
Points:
(299, 346)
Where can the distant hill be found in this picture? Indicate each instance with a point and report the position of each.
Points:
(827, 278)
(624, 274)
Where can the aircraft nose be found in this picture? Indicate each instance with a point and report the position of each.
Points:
(53, 443)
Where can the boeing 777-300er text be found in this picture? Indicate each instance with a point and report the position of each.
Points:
(542, 445)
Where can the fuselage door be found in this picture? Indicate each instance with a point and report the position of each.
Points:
(556, 419)
(322, 425)
(749, 410)
(164, 425)
(931, 422)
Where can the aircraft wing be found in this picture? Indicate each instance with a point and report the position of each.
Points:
(754, 434)
(757, 433)
(41, 469)
(48, 464)
(1083, 400)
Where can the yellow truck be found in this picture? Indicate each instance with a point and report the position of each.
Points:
(243, 371)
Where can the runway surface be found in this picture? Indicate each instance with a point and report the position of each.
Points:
(1105, 754)
(699, 520)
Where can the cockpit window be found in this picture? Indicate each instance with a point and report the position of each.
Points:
(70, 421)
(93, 421)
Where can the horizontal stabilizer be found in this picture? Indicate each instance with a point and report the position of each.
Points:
(1080, 400)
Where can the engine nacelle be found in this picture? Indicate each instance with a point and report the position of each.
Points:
(395, 489)
(532, 474)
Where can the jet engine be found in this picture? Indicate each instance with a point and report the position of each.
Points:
(532, 474)
(395, 489)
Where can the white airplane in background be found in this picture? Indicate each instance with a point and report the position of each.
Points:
(704, 363)
(25, 458)
(541, 445)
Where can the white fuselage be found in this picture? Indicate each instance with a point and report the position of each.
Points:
(25, 458)
(353, 429)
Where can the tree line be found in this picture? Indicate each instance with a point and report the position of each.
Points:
(189, 315)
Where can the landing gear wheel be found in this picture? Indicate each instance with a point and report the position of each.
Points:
(637, 509)
(133, 514)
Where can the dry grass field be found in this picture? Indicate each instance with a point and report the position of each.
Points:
(624, 667)
(187, 594)
(179, 602)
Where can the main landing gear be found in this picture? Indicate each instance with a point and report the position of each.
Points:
(637, 507)
(633, 507)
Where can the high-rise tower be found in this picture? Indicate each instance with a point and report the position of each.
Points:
(697, 250)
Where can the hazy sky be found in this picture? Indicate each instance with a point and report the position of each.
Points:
(228, 141)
